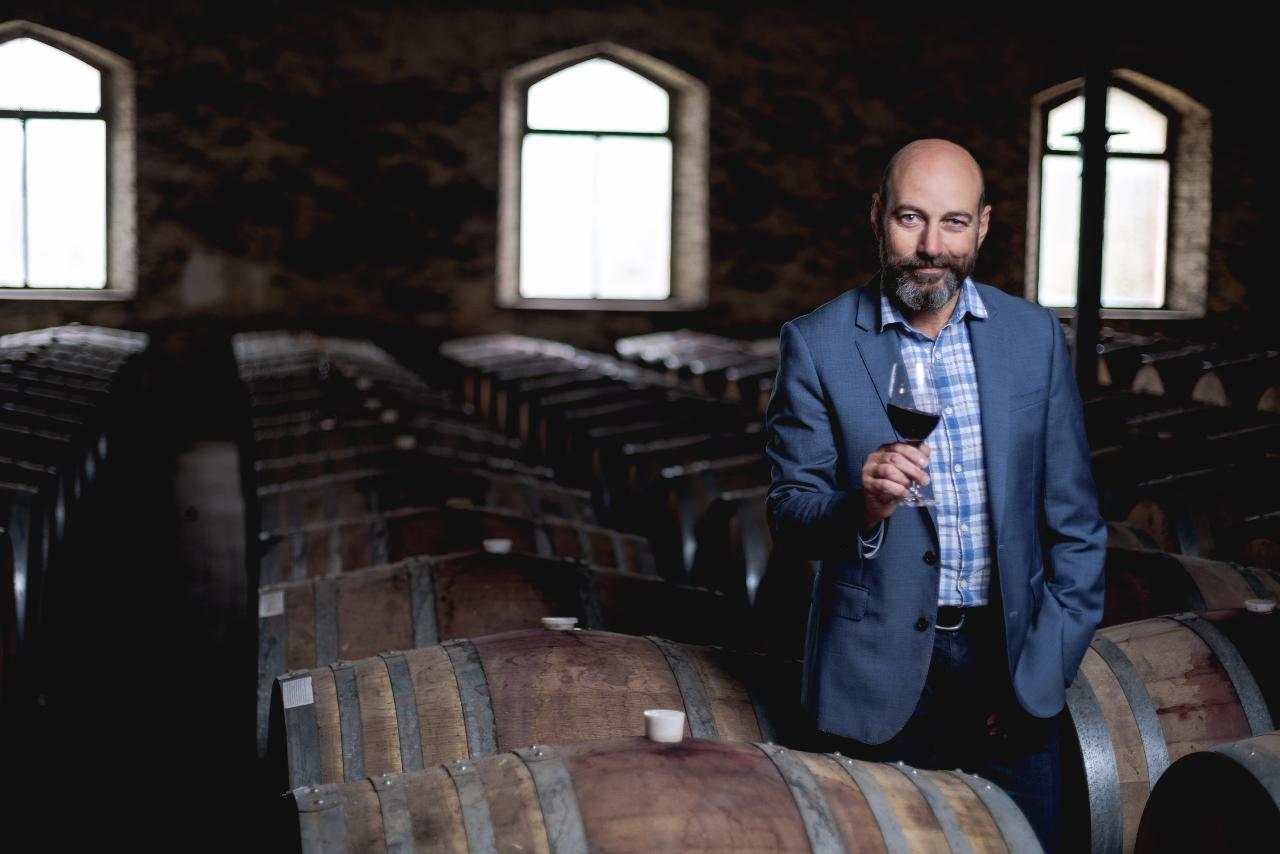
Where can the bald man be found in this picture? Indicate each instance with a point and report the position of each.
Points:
(942, 636)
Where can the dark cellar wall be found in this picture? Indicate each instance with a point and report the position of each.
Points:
(334, 165)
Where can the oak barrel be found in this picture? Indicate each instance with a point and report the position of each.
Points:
(1224, 799)
(423, 601)
(1148, 693)
(329, 548)
(1144, 583)
(402, 711)
(633, 795)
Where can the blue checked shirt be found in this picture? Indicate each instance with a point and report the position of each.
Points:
(956, 466)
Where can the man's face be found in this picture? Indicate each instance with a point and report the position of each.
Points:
(929, 229)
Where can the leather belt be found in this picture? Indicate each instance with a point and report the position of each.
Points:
(951, 618)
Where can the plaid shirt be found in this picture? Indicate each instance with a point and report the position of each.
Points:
(956, 465)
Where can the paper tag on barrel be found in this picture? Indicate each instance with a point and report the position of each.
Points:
(271, 604)
(297, 692)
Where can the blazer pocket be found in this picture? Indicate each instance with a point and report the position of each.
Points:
(849, 600)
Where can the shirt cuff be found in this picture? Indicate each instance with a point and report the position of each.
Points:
(870, 546)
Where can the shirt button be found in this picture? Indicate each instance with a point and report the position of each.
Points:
(922, 624)
(962, 584)
(959, 468)
(964, 526)
(946, 410)
(938, 358)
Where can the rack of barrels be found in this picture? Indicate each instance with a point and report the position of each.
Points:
(65, 395)
(407, 540)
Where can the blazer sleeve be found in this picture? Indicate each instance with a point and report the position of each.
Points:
(1074, 536)
(808, 511)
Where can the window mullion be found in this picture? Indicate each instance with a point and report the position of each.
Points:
(26, 241)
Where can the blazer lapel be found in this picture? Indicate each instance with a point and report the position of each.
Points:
(878, 351)
(990, 352)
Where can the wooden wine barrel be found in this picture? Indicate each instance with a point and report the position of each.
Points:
(329, 548)
(631, 795)
(8, 616)
(405, 455)
(357, 493)
(675, 503)
(1254, 541)
(475, 697)
(1124, 535)
(1223, 799)
(1242, 381)
(1149, 693)
(637, 464)
(28, 542)
(734, 544)
(1143, 583)
(1172, 373)
(744, 382)
(426, 600)
(293, 440)
(1190, 513)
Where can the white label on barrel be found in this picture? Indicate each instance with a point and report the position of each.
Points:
(271, 604)
(297, 692)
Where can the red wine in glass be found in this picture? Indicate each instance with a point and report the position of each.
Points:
(914, 411)
(912, 425)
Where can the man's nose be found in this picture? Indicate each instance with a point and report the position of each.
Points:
(931, 241)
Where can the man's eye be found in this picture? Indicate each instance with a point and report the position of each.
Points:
(909, 218)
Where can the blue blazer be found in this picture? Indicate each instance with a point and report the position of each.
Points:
(870, 630)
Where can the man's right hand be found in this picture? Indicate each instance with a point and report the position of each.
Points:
(886, 476)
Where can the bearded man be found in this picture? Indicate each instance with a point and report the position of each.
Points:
(941, 636)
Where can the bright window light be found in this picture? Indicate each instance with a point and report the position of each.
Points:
(35, 76)
(598, 95)
(595, 187)
(1136, 228)
(53, 171)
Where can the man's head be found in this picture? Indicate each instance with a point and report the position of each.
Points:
(930, 217)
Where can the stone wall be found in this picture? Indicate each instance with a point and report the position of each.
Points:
(334, 165)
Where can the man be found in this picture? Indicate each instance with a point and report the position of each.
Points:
(941, 636)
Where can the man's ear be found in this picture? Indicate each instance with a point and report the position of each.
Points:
(875, 216)
(984, 221)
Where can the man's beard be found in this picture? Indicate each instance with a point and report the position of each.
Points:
(925, 294)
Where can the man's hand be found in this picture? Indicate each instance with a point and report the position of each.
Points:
(887, 475)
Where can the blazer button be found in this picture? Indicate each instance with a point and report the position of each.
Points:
(922, 624)
(930, 558)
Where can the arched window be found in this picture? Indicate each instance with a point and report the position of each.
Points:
(604, 184)
(66, 166)
(1156, 221)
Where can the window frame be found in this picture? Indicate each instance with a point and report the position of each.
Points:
(118, 112)
(687, 130)
(1187, 237)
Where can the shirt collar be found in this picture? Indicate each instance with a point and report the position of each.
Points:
(970, 303)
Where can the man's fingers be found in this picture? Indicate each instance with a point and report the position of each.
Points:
(892, 465)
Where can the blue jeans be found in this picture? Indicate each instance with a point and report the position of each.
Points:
(968, 718)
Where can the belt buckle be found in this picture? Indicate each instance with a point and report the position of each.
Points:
(941, 628)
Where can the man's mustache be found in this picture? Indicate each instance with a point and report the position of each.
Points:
(918, 261)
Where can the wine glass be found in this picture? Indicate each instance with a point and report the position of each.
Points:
(914, 411)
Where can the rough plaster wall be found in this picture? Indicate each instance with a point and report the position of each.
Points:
(334, 165)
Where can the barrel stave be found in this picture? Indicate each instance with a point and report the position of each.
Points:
(380, 732)
(513, 805)
(853, 817)
(441, 724)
